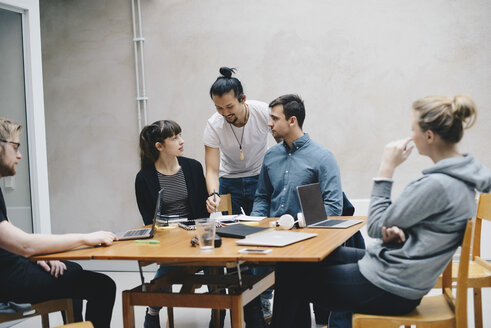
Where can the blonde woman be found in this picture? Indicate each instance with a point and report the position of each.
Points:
(417, 234)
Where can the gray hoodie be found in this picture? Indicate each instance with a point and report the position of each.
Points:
(432, 211)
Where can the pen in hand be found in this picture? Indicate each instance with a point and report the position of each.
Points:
(215, 199)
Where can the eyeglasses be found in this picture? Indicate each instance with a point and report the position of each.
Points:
(14, 144)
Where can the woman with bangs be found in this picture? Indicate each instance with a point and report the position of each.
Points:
(181, 178)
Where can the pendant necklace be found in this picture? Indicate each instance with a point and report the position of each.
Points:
(242, 137)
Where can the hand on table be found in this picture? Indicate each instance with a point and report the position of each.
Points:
(99, 238)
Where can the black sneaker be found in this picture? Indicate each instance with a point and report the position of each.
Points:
(151, 321)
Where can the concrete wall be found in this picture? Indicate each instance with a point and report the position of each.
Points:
(358, 65)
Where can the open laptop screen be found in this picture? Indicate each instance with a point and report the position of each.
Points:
(312, 203)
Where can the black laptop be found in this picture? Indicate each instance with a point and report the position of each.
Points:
(312, 204)
(142, 233)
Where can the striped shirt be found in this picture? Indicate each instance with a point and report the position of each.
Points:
(175, 194)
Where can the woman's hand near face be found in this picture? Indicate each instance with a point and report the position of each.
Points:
(395, 153)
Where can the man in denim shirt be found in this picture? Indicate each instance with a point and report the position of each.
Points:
(296, 161)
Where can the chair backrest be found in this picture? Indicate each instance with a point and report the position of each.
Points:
(483, 213)
(225, 204)
(459, 303)
(84, 324)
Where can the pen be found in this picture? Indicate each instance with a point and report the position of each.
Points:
(147, 241)
(242, 210)
(215, 199)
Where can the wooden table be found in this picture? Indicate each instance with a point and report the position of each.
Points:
(175, 249)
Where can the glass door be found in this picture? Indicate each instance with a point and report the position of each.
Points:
(16, 189)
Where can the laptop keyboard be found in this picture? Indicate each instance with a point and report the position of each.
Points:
(136, 233)
(328, 223)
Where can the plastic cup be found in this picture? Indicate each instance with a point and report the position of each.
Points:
(206, 229)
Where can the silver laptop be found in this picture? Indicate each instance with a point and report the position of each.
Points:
(314, 211)
(275, 238)
(142, 233)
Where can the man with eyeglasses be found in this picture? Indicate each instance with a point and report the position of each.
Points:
(9, 166)
(23, 281)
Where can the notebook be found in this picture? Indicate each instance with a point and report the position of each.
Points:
(313, 209)
(275, 238)
(142, 233)
(238, 230)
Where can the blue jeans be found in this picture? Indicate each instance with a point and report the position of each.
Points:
(242, 191)
(162, 270)
(337, 284)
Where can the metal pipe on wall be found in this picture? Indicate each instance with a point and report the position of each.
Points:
(138, 39)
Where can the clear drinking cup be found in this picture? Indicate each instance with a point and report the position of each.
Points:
(206, 229)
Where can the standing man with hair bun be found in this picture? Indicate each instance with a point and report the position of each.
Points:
(235, 140)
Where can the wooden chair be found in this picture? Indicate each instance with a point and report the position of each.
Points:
(85, 324)
(241, 289)
(479, 269)
(225, 204)
(434, 311)
(43, 309)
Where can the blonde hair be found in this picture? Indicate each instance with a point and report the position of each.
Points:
(9, 129)
(447, 117)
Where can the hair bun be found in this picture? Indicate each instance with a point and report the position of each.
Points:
(464, 109)
(227, 72)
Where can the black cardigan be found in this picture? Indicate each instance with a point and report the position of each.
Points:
(147, 188)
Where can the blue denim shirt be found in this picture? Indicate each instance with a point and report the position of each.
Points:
(286, 168)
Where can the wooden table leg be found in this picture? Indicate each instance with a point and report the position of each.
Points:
(236, 312)
(128, 311)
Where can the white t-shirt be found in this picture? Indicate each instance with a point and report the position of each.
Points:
(218, 134)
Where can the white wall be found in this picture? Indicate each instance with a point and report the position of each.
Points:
(358, 65)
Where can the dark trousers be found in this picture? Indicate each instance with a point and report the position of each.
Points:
(336, 284)
(31, 284)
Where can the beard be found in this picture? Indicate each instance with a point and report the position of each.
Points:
(7, 171)
(233, 119)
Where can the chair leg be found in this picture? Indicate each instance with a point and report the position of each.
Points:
(477, 308)
(170, 317)
(69, 315)
(128, 311)
(216, 318)
(45, 320)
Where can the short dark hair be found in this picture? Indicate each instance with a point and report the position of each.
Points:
(292, 106)
(226, 83)
(158, 131)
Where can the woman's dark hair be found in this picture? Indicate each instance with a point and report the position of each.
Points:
(227, 83)
(158, 131)
(446, 116)
(292, 106)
